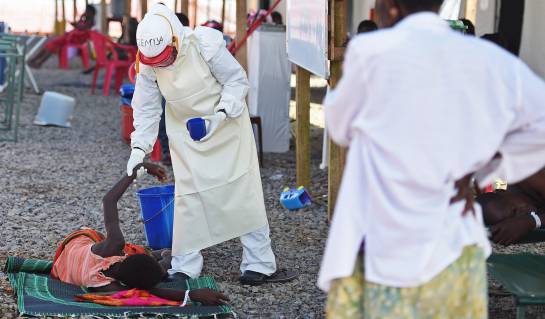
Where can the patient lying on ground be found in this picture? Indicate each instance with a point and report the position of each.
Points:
(514, 213)
(107, 263)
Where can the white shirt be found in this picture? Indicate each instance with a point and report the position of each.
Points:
(421, 106)
(146, 101)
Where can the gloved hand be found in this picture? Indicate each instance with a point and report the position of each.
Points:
(137, 157)
(212, 123)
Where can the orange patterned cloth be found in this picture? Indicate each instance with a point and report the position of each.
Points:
(76, 264)
(132, 297)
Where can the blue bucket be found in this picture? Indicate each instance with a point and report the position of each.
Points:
(126, 92)
(157, 212)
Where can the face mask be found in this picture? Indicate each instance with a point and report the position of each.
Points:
(166, 58)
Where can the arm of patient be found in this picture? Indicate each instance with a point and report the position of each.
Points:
(204, 295)
(114, 286)
(114, 243)
(534, 187)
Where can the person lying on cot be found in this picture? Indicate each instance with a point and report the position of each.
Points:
(105, 264)
(513, 213)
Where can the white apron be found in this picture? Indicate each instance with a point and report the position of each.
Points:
(218, 185)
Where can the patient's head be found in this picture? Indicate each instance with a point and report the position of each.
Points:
(140, 271)
(501, 205)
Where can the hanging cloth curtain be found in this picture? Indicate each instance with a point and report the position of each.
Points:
(451, 9)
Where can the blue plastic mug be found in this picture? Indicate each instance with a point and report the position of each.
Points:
(197, 128)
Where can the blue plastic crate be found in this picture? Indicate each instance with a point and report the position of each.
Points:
(295, 198)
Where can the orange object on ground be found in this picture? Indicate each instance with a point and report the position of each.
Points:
(112, 64)
(75, 251)
(127, 128)
(156, 154)
(132, 297)
(126, 123)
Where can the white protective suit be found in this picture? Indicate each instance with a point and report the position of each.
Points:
(218, 185)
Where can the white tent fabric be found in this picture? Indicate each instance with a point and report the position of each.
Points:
(532, 49)
(451, 9)
(270, 90)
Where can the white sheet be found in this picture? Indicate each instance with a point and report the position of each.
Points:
(269, 95)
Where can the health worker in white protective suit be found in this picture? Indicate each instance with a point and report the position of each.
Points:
(218, 184)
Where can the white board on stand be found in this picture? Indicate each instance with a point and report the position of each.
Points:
(532, 48)
(307, 35)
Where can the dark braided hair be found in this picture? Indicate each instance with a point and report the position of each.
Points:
(140, 271)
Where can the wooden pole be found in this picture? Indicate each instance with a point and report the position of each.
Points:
(56, 24)
(337, 154)
(470, 11)
(63, 8)
(302, 139)
(63, 21)
(74, 11)
(144, 8)
(242, 55)
(103, 17)
(185, 7)
(223, 13)
(195, 10)
(125, 22)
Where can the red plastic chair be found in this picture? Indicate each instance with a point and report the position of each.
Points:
(107, 58)
(78, 40)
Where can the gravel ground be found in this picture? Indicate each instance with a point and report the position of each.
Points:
(53, 180)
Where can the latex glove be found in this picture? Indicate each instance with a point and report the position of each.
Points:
(137, 157)
(212, 123)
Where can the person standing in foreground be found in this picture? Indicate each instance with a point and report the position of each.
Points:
(218, 192)
(419, 119)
